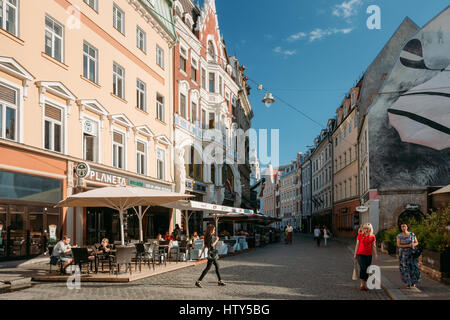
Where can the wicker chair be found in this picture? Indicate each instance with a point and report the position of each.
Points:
(124, 255)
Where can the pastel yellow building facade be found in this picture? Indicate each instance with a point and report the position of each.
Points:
(89, 81)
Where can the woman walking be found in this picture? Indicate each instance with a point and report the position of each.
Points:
(365, 247)
(409, 269)
(210, 242)
(326, 234)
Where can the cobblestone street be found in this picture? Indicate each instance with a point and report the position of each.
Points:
(278, 271)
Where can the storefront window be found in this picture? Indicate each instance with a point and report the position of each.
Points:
(30, 188)
(2, 234)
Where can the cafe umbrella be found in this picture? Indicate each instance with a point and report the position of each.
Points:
(121, 198)
(214, 209)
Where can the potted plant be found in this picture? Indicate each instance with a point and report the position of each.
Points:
(434, 238)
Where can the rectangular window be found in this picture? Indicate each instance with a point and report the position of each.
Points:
(194, 112)
(118, 150)
(8, 113)
(160, 107)
(159, 56)
(161, 163)
(141, 93)
(9, 16)
(203, 78)
(90, 62)
(203, 119)
(93, 4)
(220, 85)
(212, 82)
(183, 59)
(194, 67)
(211, 120)
(183, 106)
(141, 39)
(118, 81)
(54, 39)
(141, 155)
(90, 140)
(53, 129)
(118, 19)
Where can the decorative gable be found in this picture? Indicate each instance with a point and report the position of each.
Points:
(122, 120)
(145, 131)
(163, 140)
(13, 68)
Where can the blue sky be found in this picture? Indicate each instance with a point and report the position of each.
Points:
(309, 53)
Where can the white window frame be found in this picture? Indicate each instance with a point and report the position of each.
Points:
(141, 39)
(185, 106)
(62, 123)
(16, 8)
(160, 108)
(164, 152)
(97, 152)
(160, 56)
(116, 77)
(209, 82)
(220, 85)
(53, 36)
(138, 158)
(17, 109)
(90, 58)
(194, 66)
(141, 92)
(185, 57)
(92, 3)
(116, 9)
(123, 145)
(192, 112)
(204, 79)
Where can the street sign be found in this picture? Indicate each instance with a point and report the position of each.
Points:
(362, 209)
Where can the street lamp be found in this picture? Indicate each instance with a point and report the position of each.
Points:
(268, 99)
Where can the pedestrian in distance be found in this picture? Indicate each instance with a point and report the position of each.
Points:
(326, 234)
(210, 243)
(408, 260)
(365, 247)
(317, 235)
(290, 232)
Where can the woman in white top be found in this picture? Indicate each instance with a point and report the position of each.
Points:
(326, 234)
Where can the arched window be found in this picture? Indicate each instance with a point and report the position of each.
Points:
(211, 51)
(228, 178)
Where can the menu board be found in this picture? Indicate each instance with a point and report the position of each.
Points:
(52, 229)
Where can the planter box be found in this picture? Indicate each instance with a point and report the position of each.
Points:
(437, 261)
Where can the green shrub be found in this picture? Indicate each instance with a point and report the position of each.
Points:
(390, 236)
(432, 233)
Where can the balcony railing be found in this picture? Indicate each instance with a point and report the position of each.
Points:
(192, 128)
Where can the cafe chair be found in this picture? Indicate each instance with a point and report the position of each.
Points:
(81, 257)
(57, 262)
(141, 255)
(124, 255)
(183, 249)
(175, 249)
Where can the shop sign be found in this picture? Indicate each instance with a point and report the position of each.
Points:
(82, 170)
(362, 209)
(412, 207)
(107, 178)
(52, 229)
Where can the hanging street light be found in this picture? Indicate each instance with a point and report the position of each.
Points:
(268, 99)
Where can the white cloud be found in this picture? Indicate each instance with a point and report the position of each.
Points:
(285, 53)
(317, 34)
(347, 9)
(297, 36)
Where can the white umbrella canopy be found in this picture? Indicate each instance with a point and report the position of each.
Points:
(121, 198)
(189, 205)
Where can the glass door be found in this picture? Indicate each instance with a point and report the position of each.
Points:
(3, 226)
(36, 223)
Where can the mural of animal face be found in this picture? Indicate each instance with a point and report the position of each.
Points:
(409, 122)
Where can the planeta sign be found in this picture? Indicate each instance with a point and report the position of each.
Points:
(106, 178)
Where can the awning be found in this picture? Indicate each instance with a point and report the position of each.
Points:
(442, 190)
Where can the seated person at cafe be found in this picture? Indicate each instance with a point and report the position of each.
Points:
(195, 236)
(104, 248)
(60, 252)
(167, 236)
(159, 237)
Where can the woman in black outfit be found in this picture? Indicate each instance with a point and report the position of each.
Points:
(210, 242)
